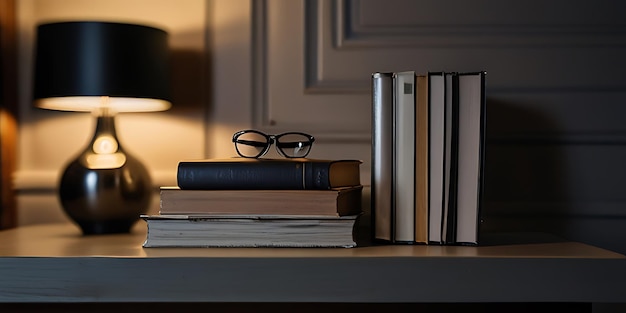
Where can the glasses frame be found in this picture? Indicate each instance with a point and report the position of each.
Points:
(269, 141)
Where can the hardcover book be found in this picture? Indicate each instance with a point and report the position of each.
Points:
(250, 231)
(250, 173)
(471, 150)
(382, 156)
(451, 132)
(333, 202)
(436, 152)
(404, 157)
(421, 159)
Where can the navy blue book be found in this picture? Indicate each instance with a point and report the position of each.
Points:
(268, 174)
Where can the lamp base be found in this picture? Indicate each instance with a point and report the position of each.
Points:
(105, 201)
(105, 190)
(105, 227)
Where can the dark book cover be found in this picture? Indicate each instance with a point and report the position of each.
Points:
(247, 173)
(472, 123)
(451, 162)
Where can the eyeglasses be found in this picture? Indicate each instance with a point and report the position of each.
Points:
(254, 144)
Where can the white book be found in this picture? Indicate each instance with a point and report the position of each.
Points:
(382, 155)
(404, 165)
(436, 104)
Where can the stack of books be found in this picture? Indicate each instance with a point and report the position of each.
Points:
(427, 156)
(242, 202)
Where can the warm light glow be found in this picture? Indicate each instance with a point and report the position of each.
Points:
(106, 155)
(105, 145)
(117, 104)
(105, 161)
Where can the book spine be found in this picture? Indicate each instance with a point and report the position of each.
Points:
(451, 158)
(316, 175)
(472, 149)
(238, 176)
(382, 156)
(436, 104)
(481, 163)
(421, 159)
(404, 161)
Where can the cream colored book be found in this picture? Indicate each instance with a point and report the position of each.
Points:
(333, 202)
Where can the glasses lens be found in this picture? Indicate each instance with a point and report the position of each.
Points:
(294, 145)
(251, 144)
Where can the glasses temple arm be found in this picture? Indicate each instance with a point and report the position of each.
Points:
(252, 143)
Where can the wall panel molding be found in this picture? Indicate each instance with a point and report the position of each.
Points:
(492, 23)
(344, 27)
(275, 87)
(557, 209)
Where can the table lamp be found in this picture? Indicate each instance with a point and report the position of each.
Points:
(104, 68)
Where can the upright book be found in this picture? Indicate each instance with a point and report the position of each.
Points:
(451, 133)
(404, 157)
(382, 156)
(436, 152)
(250, 231)
(249, 173)
(471, 151)
(333, 202)
(421, 159)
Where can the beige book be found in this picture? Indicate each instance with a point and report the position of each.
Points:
(333, 202)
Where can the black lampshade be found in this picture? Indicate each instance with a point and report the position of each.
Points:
(79, 62)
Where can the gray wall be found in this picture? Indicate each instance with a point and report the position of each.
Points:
(556, 94)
